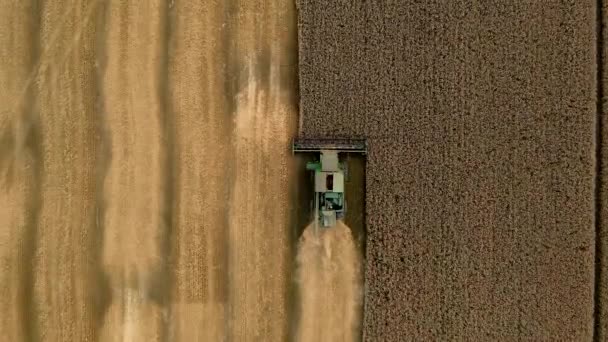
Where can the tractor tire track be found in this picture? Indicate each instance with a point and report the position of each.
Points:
(102, 295)
(163, 280)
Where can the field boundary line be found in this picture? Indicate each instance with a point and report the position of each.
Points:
(598, 330)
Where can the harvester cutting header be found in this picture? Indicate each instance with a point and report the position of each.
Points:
(328, 175)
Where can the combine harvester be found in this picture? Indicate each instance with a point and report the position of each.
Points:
(328, 175)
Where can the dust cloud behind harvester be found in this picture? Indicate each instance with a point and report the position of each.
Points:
(328, 274)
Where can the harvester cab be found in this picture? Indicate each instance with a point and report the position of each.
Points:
(328, 173)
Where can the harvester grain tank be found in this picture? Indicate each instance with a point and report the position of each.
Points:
(328, 174)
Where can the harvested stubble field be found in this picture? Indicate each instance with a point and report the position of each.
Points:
(143, 149)
(481, 176)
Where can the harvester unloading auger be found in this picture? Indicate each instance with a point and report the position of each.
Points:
(328, 175)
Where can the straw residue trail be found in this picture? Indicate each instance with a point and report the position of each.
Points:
(133, 185)
(329, 280)
(258, 224)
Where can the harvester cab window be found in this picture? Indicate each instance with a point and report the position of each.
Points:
(332, 200)
(329, 182)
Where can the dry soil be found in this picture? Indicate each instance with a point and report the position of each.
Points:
(480, 175)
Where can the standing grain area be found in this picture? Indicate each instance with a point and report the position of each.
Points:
(481, 176)
(143, 151)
